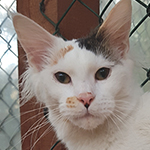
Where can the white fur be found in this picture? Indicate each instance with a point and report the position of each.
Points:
(119, 116)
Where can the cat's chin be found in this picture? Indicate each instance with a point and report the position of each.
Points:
(88, 122)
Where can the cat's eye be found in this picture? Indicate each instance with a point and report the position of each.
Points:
(63, 77)
(102, 73)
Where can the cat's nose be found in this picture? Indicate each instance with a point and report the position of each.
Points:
(86, 99)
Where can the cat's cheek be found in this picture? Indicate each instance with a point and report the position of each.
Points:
(104, 107)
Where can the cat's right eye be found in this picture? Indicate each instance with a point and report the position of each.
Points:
(63, 77)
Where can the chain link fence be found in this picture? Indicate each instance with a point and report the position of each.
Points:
(9, 105)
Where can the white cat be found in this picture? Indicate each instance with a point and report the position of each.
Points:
(87, 84)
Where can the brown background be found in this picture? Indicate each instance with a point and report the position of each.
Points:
(77, 23)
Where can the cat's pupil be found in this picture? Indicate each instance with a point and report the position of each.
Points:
(102, 73)
(63, 77)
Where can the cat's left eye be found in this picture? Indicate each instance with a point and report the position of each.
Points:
(102, 73)
(63, 77)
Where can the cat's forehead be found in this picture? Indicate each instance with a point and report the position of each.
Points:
(73, 56)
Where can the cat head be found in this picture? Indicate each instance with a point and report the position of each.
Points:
(81, 81)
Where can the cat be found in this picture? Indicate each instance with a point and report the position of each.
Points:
(88, 84)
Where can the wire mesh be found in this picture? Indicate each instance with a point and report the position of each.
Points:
(9, 104)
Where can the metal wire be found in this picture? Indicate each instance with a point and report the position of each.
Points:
(9, 94)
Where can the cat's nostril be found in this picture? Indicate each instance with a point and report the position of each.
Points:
(90, 100)
(82, 101)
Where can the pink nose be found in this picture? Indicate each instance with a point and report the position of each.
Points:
(86, 98)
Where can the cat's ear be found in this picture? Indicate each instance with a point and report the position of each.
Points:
(36, 41)
(116, 27)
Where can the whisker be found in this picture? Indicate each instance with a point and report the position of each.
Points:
(115, 123)
(37, 139)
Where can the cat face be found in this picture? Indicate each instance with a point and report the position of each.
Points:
(82, 81)
(84, 86)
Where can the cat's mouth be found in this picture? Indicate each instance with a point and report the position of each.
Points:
(86, 116)
(87, 121)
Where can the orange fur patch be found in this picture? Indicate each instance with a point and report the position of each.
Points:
(61, 53)
(72, 102)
